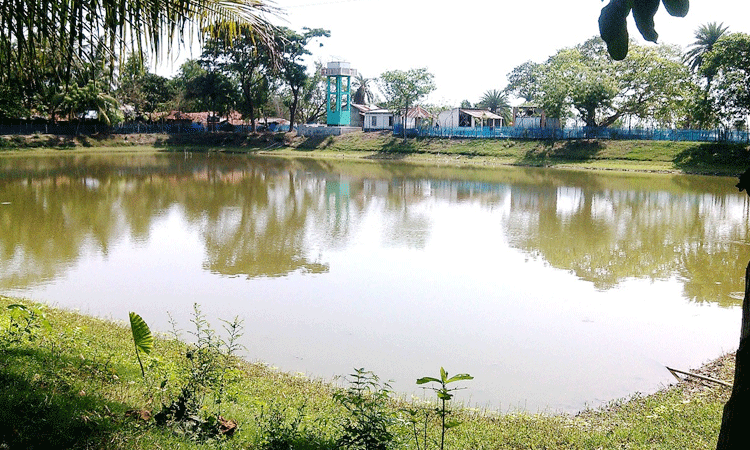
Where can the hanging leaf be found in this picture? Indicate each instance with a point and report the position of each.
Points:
(613, 28)
(142, 337)
(677, 8)
(643, 13)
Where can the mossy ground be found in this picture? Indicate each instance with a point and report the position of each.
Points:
(77, 384)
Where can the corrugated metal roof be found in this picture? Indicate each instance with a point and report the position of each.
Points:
(480, 113)
(418, 113)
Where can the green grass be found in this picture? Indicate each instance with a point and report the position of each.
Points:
(77, 384)
(643, 156)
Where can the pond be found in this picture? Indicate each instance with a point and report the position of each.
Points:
(557, 290)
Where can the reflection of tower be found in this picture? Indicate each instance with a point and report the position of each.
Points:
(339, 92)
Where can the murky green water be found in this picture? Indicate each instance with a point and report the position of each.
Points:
(555, 289)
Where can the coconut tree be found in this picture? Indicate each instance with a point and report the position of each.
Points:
(363, 93)
(705, 38)
(497, 102)
(35, 36)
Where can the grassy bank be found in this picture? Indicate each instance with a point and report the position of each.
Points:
(648, 156)
(72, 381)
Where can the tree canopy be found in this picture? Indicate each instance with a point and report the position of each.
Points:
(651, 84)
(403, 88)
(729, 65)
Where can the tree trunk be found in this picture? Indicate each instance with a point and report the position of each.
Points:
(735, 433)
(293, 109)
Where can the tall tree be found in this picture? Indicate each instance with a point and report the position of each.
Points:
(651, 84)
(706, 37)
(729, 65)
(523, 81)
(214, 92)
(403, 89)
(312, 104)
(292, 48)
(497, 102)
(249, 61)
(363, 94)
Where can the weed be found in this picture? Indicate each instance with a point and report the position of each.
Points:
(444, 394)
(370, 416)
(26, 324)
(207, 364)
(282, 431)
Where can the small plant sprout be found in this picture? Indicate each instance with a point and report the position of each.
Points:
(142, 338)
(444, 394)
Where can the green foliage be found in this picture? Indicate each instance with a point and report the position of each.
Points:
(613, 21)
(706, 37)
(62, 34)
(403, 89)
(250, 62)
(26, 323)
(213, 91)
(497, 102)
(142, 338)
(728, 63)
(292, 48)
(282, 430)
(77, 100)
(444, 394)
(651, 84)
(205, 371)
(370, 419)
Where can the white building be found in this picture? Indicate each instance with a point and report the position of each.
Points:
(468, 117)
(378, 119)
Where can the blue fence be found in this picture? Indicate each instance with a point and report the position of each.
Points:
(578, 133)
(444, 132)
(72, 129)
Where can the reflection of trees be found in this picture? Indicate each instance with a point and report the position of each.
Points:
(605, 236)
(261, 232)
(48, 222)
(55, 210)
(257, 217)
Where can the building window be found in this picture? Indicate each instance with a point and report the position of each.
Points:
(374, 121)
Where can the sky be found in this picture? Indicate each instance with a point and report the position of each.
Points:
(472, 45)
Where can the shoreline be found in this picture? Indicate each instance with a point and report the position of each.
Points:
(665, 157)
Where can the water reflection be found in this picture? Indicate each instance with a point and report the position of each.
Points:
(696, 231)
(555, 289)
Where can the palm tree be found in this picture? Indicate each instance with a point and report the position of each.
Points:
(363, 94)
(705, 38)
(497, 102)
(35, 35)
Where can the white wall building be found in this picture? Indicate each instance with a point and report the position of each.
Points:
(468, 117)
(378, 119)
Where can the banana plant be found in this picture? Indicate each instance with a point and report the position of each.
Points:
(444, 394)
(142, 338)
